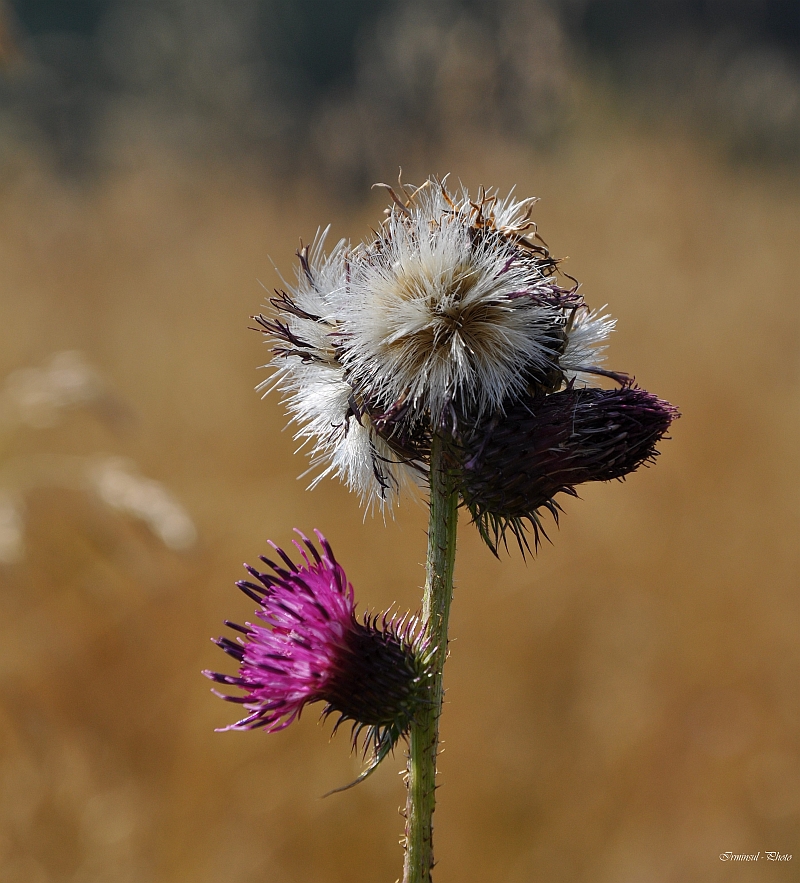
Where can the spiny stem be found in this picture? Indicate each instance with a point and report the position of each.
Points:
(424, 736)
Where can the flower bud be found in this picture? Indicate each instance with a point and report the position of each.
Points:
(515, 463)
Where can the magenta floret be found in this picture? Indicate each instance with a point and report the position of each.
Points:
(308, 610)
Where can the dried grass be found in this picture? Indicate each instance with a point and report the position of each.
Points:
(624, 708)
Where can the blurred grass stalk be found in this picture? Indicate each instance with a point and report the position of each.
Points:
(37, 398)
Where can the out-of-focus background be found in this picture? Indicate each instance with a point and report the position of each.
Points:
(622, 709)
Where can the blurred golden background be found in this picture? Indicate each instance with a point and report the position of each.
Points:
(622, 709)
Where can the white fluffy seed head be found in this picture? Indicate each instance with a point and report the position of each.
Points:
(452, 307)
(319, 399)
(586, 333)
(439, 310)
(320, 279)
(342, 443)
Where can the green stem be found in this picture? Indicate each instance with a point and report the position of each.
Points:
(424, 735)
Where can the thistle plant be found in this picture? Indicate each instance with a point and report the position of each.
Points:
(450, 354)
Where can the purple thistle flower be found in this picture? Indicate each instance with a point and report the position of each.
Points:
(514, 464)
(311, 648)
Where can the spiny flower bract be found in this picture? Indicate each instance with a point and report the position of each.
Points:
(308, 646)
(515, 466)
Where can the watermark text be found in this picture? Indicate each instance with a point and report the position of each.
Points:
(755, 856)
